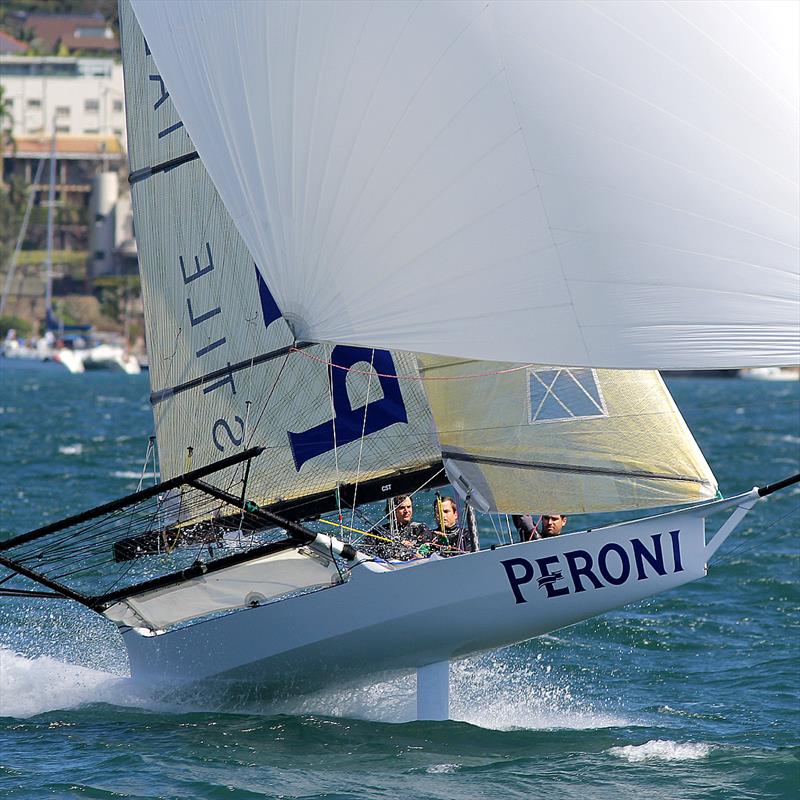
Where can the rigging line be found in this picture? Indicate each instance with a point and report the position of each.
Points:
(744, 548)
(246, 470)
(21, 236)
(354, 530)
(415, 377)
(288, 352)
(361, 441)
(329, 376)
(146, 462)
(390, 515)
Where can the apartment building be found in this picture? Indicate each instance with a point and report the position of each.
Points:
(77, 96)
(81, 100)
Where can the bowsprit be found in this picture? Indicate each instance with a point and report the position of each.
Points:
(614, 564)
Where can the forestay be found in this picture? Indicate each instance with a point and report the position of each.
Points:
(595, 184)
(563, 440)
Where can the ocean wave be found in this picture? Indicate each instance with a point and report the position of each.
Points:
(133, 476)
(442, 769)
(71, 449)
(662, 750)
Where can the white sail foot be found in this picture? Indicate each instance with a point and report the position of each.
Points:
(433, 691)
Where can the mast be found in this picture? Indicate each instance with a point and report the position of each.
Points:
(51, 194)
(20, 237)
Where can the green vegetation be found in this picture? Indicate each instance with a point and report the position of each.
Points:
(21, 326)
(12, 195)
(71, 259)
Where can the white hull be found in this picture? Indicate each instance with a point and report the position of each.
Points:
(100, 357)
(389, 620)
(34, 356)
(770, 374)
(110, 357)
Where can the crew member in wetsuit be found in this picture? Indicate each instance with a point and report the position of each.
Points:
(406, 536)
(528, 529)
(449, 538)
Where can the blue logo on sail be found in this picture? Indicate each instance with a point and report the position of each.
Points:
(351, 423)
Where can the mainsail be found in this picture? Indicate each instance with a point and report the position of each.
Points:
(575, 183)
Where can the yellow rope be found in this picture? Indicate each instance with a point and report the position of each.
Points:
(355, 530)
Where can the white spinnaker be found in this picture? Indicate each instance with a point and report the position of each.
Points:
(559, 440)
(208, 333)
(601, 184)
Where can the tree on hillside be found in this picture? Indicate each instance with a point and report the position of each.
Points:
(12, 194)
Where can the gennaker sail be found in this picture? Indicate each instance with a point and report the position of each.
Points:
(572, 183)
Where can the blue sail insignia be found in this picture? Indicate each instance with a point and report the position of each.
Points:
(351, 422)
(269, 308)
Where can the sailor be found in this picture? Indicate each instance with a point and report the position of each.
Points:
(551, 525)
(449, 538)
(405, 535)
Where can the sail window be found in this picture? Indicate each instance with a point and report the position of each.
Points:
(560, 394)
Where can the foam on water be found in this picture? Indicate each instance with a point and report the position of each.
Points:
(30, 686)
(492, 692)
(71, 449)
(500, 691)
(662, 750)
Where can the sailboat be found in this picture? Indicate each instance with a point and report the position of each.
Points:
(83, 351)
(390, 247)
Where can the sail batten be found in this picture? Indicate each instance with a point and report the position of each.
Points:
(574, 469)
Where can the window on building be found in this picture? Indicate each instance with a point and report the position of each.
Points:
(91, 131)
(117, 131)
(34, 102)
(62, 128)
(89, 32)
(63, 111)
(118, 106)
(91, 105)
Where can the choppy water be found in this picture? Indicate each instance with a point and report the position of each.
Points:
(693, 694)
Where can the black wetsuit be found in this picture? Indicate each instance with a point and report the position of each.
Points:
(453, 541)
(526, 528)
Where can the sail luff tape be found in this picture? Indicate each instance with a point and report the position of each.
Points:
(164, 166)
(165, 394)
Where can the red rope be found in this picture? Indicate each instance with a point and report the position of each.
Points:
(308, 355)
